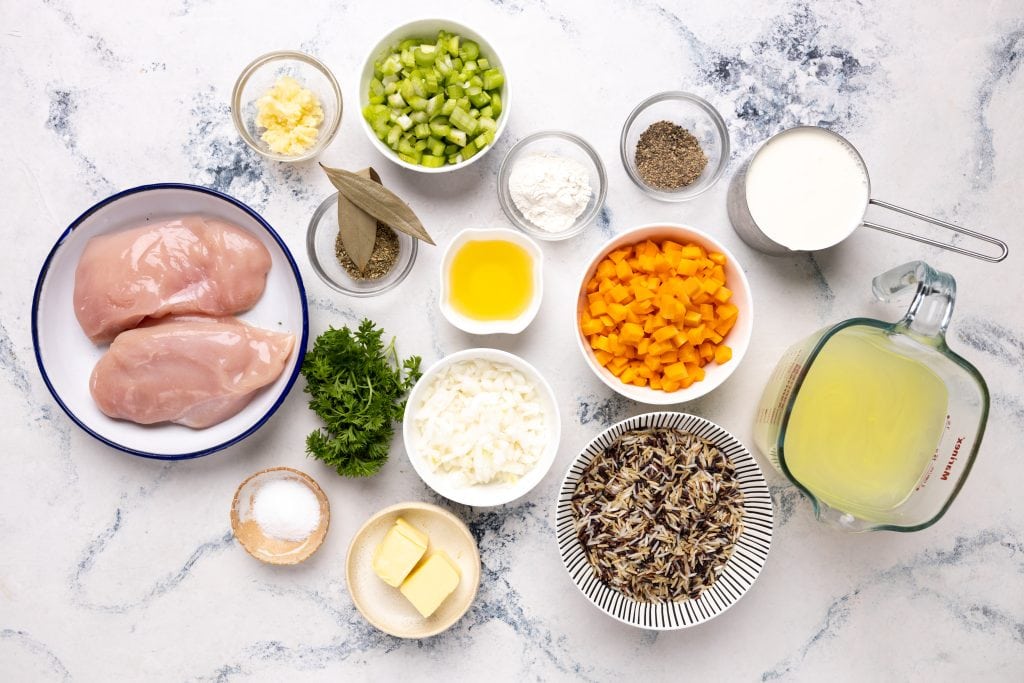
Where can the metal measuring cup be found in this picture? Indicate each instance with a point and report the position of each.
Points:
(747, 228)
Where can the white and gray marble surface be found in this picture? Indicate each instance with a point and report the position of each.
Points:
(118, 568)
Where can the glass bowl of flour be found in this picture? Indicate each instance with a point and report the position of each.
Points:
(551, 185)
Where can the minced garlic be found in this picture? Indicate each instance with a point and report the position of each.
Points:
(291, 115)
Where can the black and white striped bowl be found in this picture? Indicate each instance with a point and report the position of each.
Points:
(740, 572)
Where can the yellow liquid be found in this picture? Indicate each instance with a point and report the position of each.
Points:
(865, 424)
(491, 280)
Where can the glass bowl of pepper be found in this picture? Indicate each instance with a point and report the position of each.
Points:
(674, 146)
(391, 260)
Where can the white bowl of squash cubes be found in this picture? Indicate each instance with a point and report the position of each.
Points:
(413, 569)
(664, 314)
(433, 96)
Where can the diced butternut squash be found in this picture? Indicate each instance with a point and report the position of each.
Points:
(617, 312)
(656, 313)
(676, 372)
(632, 333)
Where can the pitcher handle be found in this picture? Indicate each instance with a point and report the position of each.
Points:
(932, 307)
(955, 229)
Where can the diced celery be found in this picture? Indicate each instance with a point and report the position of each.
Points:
(435, 102)
(493, 79)
(480, 99)
(453, 45)
(439, 127)
(431, 83)
(434, 105)
(394, 135)
(457, 136)
(406, 90)
(425, 55)
(435, 146)
(419, 86)
(469, 51)
(463, 121)
(378, 116)
(444, 65)
(392, 65)
(406, 146)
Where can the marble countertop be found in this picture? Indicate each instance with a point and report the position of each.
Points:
(119, 568)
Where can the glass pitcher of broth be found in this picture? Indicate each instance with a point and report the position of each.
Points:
(878, 423)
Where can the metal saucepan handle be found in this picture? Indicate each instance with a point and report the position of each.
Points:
(955, 229)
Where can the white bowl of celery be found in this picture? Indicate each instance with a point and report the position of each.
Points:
(434, 96)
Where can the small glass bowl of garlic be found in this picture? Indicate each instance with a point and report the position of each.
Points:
(287, 106)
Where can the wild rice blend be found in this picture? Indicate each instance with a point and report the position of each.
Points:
(658, 514)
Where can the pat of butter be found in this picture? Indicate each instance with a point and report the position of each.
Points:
(431, 582)
(403, 546)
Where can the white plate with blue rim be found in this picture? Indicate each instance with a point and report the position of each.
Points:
(741, 569)
(66, 356)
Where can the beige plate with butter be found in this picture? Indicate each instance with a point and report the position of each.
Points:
(385, 607)
(267, 548)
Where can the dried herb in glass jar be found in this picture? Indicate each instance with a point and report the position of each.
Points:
(382, 259)
(668, 156)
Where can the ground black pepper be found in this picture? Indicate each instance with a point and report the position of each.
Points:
(668, 156)
(382, 258)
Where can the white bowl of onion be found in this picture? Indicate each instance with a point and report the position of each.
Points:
(481, 427)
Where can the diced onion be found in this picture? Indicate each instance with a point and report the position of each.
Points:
(482, 422)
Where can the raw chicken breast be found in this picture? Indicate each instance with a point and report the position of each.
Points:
(184, 265)
(191, 370)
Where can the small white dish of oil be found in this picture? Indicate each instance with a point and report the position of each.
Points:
(491, 281)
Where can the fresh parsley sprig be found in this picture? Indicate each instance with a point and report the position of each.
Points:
(357, 386)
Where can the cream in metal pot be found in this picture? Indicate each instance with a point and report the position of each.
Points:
(808, 188)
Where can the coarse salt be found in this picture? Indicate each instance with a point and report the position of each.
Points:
(482, 422)
(286, 509)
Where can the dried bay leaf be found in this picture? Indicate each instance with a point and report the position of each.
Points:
(356, 228)
(378, 201)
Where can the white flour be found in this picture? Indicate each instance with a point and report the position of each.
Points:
(550, 191)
